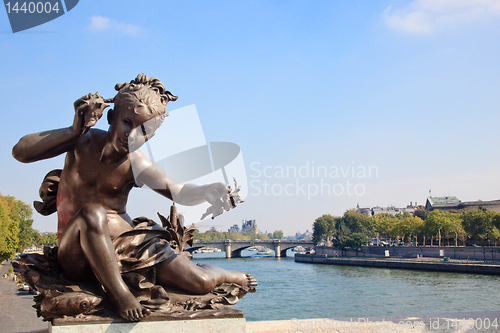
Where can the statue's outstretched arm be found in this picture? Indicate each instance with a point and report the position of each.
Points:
(153, 176)
(43, 145)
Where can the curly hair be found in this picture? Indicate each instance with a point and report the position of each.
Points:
(145, 90)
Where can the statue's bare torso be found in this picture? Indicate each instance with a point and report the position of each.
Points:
(87, 179)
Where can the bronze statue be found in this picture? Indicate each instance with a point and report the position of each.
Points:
(97, 239)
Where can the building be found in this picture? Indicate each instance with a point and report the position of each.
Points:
(304, 236)
(249, 226)
(442, 203)
(389, 210)
(234, 228)
(246, 227)
(450, 203)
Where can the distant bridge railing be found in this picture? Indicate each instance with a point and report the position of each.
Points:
(233, 248)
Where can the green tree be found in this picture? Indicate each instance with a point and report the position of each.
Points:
(434, 223)
(278, 234)
(324, 228)
(37, 237)
(453, 225)
(26, 233)
(356, 240)
(9, 228)
(402, 216)
(383, 224)
(496, 221)
(49, 238)
(226, 235)
(478, 223)
(263, 237)
(355, 221)
(495, 235)
(342, 233)
(422, 213)
(408, 227)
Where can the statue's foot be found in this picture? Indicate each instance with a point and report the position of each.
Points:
(252, 283)
(130, 309)
(244, 279)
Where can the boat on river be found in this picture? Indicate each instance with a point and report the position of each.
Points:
(299, 249)
(206, 250)
(264, 251)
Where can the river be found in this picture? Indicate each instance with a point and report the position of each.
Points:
(289, 290)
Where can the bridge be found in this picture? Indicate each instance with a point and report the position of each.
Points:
(233, 248)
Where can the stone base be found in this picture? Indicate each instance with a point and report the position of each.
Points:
(223, 320)
(223, 325)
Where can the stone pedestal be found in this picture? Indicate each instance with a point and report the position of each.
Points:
(227, 320)
(236, 325)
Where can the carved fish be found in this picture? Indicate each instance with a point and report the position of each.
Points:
(70, 304)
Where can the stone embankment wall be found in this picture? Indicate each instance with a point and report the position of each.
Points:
(464, 253)
(413, 264)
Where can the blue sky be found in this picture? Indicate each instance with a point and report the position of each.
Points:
(407, 87)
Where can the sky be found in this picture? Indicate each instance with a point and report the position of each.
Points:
(332, 103)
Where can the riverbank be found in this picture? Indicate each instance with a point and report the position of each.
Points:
(422, 264)
(464, 253)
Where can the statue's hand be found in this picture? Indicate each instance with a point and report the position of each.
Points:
(217, 194)
(235, 196)
(221, 198)
(88, 110)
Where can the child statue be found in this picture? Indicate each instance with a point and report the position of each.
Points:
(93, 190)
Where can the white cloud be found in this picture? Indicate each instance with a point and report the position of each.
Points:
(427, 16)
(100, 23)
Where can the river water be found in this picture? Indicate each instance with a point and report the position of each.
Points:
(290, 290)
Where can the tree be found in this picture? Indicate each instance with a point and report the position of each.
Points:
(408, 227)
(342, 233)
(422, 213)
(49, 238)
(9, 228)
(356, 240)
(495, 235)
(19, 214)
(453, 224)
(478, 223)
(37, 237)
(355, 221)
(26, 232)
(402, 216)
(496, 221)
(226, 235)
(278, 234)
(434, 223)
(324, 227)
(383, 224)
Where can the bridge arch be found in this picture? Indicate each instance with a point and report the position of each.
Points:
(233, 248)
(237, 253)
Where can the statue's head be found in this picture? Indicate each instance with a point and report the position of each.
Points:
(143, 91)
(140, 106)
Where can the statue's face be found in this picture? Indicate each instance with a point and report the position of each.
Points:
(132, 127)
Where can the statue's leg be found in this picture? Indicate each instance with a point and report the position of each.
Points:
(198, 279)
(85, 244)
